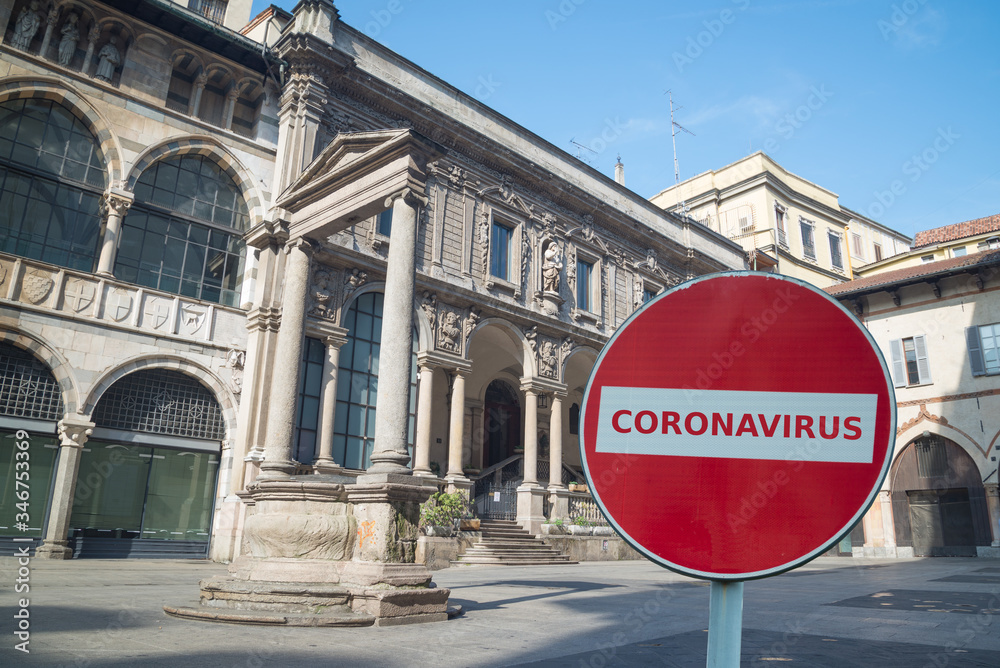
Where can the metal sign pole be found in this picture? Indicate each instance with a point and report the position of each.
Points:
(725, 624)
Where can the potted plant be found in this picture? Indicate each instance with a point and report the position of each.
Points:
(440, 513)
(580, 527)
(553, 527)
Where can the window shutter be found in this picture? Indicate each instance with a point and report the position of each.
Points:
(898, 370)
(923, 367)
(975, 351)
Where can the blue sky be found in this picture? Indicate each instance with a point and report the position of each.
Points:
(893, 105)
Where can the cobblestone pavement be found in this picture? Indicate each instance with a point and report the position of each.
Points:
(933, 613)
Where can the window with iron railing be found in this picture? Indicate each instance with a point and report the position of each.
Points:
(213, 10)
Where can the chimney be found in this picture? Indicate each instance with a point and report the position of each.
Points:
(619, 172)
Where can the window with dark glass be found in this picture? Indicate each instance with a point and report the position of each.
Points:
(584, 273)
(384, 223)
(500, 239)
(310, 387)
(51, 180)
(808, 243)
(184, 232)
(357, 384)
(836, 256)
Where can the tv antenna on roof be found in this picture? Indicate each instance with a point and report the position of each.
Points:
(674, 127)
(586, 148)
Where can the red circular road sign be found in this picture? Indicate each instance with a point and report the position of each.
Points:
(737, 426)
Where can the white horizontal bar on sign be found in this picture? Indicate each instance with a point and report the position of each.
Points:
(726, 424)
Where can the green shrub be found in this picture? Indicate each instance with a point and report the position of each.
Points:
(581, 521)
(443, 509)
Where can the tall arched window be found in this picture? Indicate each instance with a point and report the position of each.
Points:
(149, 471)
(51, 180)
(184, 232)
(357, 384)
(30, 400)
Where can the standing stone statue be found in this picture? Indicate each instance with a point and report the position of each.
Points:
(551, 267)
(70, 39)
(108, 61)
(28, 22)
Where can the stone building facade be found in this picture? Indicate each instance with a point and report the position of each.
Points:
(285, 226)
(133, 160)
(786, 223)
(936, 325)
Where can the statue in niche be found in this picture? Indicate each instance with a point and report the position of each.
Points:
(108, 61)
(70, 38)
(547, 359)
(450, 331)
(320, 293)
(28, 22)
(551, 267)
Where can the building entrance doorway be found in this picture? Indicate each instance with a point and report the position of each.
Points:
(501, 423)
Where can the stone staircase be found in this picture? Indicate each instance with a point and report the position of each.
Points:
(505, 543)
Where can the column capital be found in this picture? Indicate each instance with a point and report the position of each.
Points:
(408, 195)
(269, 232)
(436, 359)
(992, 488)
(307, 246)
(74, 431)
(117, 201)
(543, 386)
(327, 332)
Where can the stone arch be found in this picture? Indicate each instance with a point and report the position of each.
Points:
(425, 335)
(516, 336)
(19, 88)
(939, 502)
(222, 394)
(585, 351)
(208, 147)
(61, 369)
(916, 429)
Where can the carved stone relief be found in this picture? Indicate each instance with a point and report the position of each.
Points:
(320, 296)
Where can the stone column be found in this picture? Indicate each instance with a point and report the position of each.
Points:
(456, 435)
(50, 26)
(284, 387)
(555, 442)
(530, 495)
(227, 114)
(531, 437)
(993, 506)
(328, 405)
(88, 59)
(199, 87)
(390, 454)
(73, 434)
(116, 205)
(422, 455)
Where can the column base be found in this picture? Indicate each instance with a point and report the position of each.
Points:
(54, 550)
(325, 553)
(558, 502)
(457, 483)
(530, 507)
(327, 466)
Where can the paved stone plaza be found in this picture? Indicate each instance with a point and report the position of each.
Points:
(832, 612)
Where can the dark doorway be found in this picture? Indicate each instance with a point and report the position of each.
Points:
(501, 423)
(938, 500)
(941, 522)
